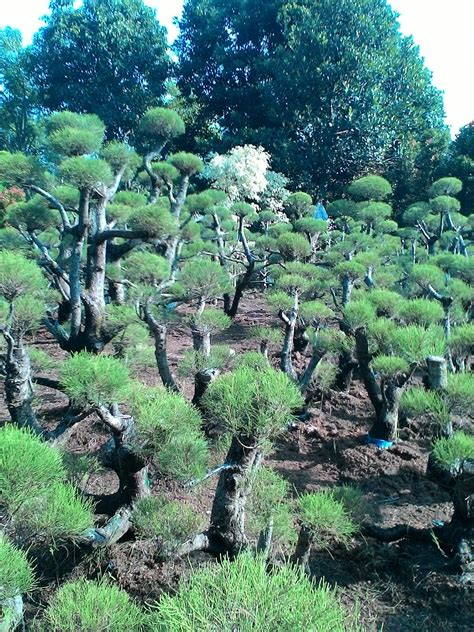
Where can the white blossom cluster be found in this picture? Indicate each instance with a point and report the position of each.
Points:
(241, 173)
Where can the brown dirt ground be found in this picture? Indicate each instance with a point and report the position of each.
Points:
(397, 587)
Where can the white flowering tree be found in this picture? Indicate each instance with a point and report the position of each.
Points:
(241, 173)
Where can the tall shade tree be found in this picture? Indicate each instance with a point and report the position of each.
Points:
(107, 57)
(18, 97)
(331, 91)
(460, 163)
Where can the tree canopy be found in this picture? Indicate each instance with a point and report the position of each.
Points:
(331, 91)
(107, 57)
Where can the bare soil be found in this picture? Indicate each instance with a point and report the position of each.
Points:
(398, 587)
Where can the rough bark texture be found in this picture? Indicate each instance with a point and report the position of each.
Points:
(202, 379)
(386, 420)
(227, 528)
(201, 341)
(18, 385)
(437, 373)
(303, 547)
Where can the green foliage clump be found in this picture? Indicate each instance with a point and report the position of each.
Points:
(353, 500)
(202, 279)
(186, 163)
(159, 125)
(420, 311)
(370, 188)
(87, 606)
(171, 521)
(359, 314)
(461, 341)
(85, 172)
(18, 169)
(325, 376)
(460, 393)
(255, 403)
(327, 518)
(19, 277)
(33, 488)
(417, 401)
(414, 343)
(91, 380)
(253, 360)
(298, 205)
(120, 156)
(130, 198)
(242, 595)
(146, 267)
(452, 451)
(389, 366)
(293, 246)
(211, 320)
(269, 335)
(74, 141)
(315, 310)
(194, 361)
(33, 215)
(445, 186)
(16, 573)
(268, 501)
(154, 221)
(41, 362)
(168, 430)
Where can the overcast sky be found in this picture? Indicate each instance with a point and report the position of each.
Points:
(444, 31)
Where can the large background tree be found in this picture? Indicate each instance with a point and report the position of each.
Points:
(18, 98)
(106, 57)
(330, 90)
(460, 163)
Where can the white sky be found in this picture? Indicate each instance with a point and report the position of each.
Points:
(443, 29)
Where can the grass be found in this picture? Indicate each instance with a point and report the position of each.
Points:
(449, 452)
(241, 595)
(326, 517)
(87, 606)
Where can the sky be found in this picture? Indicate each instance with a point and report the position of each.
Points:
(443, 29)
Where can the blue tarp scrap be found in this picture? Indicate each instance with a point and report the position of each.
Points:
(320, 212)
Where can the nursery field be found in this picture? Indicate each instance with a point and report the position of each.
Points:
(236, 324)
(398, 586)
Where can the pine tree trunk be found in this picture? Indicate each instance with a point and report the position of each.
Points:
(227, 528)
(303, 547)
(18, 384)
(386, 421)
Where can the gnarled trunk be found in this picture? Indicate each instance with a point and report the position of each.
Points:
(386, 421)
(18, 384)
(227, 529)
(303, 547)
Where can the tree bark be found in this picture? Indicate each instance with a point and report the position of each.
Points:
(303, 547)
(227, 528)
(385, 426)
(18, 384)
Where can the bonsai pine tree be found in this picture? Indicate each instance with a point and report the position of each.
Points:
(16, 577)
(77, 204)
(250, 405)
(23, 295)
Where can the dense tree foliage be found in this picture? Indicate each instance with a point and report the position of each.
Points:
(330, 91)
(109, 248)
(460, 163)
(18, 97)
(104, 57)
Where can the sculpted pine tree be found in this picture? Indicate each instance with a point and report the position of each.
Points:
(23, 291)
(73, 221)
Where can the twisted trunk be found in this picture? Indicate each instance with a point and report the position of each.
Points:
(227, 529)
(18, 384)
(286, 363)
